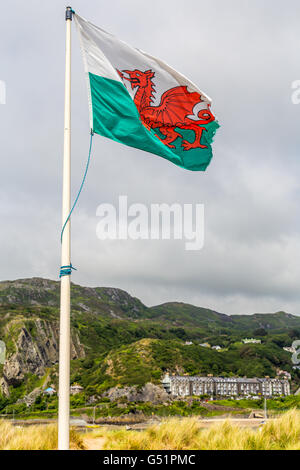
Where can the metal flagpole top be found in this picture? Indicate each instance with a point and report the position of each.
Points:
(69, 13)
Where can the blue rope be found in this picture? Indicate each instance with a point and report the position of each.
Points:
(67, 270)
(80, 189)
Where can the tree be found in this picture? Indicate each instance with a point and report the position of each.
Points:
(260, 332)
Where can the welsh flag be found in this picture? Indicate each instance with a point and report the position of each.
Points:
(140, 101)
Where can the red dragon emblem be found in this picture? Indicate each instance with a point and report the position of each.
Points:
(174, 111)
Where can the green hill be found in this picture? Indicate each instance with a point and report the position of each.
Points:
(118, 341)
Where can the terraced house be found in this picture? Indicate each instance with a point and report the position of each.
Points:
(182, 386)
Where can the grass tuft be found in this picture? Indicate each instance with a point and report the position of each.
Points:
(34, 437)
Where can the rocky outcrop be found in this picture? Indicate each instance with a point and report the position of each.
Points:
(99, 300)
(4, 387)
(31, 397)
(149, 393)
(35, 353)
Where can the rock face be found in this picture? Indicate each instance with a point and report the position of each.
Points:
(148, 393)
(108, 301)
(34, 353)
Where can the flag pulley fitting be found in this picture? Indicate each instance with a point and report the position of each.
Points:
(69, 13)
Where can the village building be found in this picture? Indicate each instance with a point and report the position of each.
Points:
(50, 391)
(76, 388)
(251, 341)
(284, 373)
(225, 386)
(289, 349)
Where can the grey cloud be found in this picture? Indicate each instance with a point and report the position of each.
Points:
(245, 56)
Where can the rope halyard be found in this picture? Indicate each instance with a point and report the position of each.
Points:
(67, 270)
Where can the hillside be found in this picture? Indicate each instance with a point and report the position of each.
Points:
(118, 341)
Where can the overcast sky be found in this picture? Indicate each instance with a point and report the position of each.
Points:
(245, 55)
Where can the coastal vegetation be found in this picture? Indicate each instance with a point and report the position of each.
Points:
(282, 433)
(34, 437)
(119, 342)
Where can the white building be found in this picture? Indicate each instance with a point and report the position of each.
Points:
(225, 386)
(251, 340)
(284, 373)
(289, 349)
(76, 388)
(49, 391)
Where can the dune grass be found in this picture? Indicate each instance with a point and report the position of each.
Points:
(282, 433)
(34, 437)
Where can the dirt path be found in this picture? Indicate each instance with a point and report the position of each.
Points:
(252, 422)
(94, 444)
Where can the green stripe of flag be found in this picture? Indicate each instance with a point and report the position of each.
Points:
(115, 116)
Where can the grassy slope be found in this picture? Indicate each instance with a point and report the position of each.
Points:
(129, 344)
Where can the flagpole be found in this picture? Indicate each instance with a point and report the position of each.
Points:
(64, 334)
